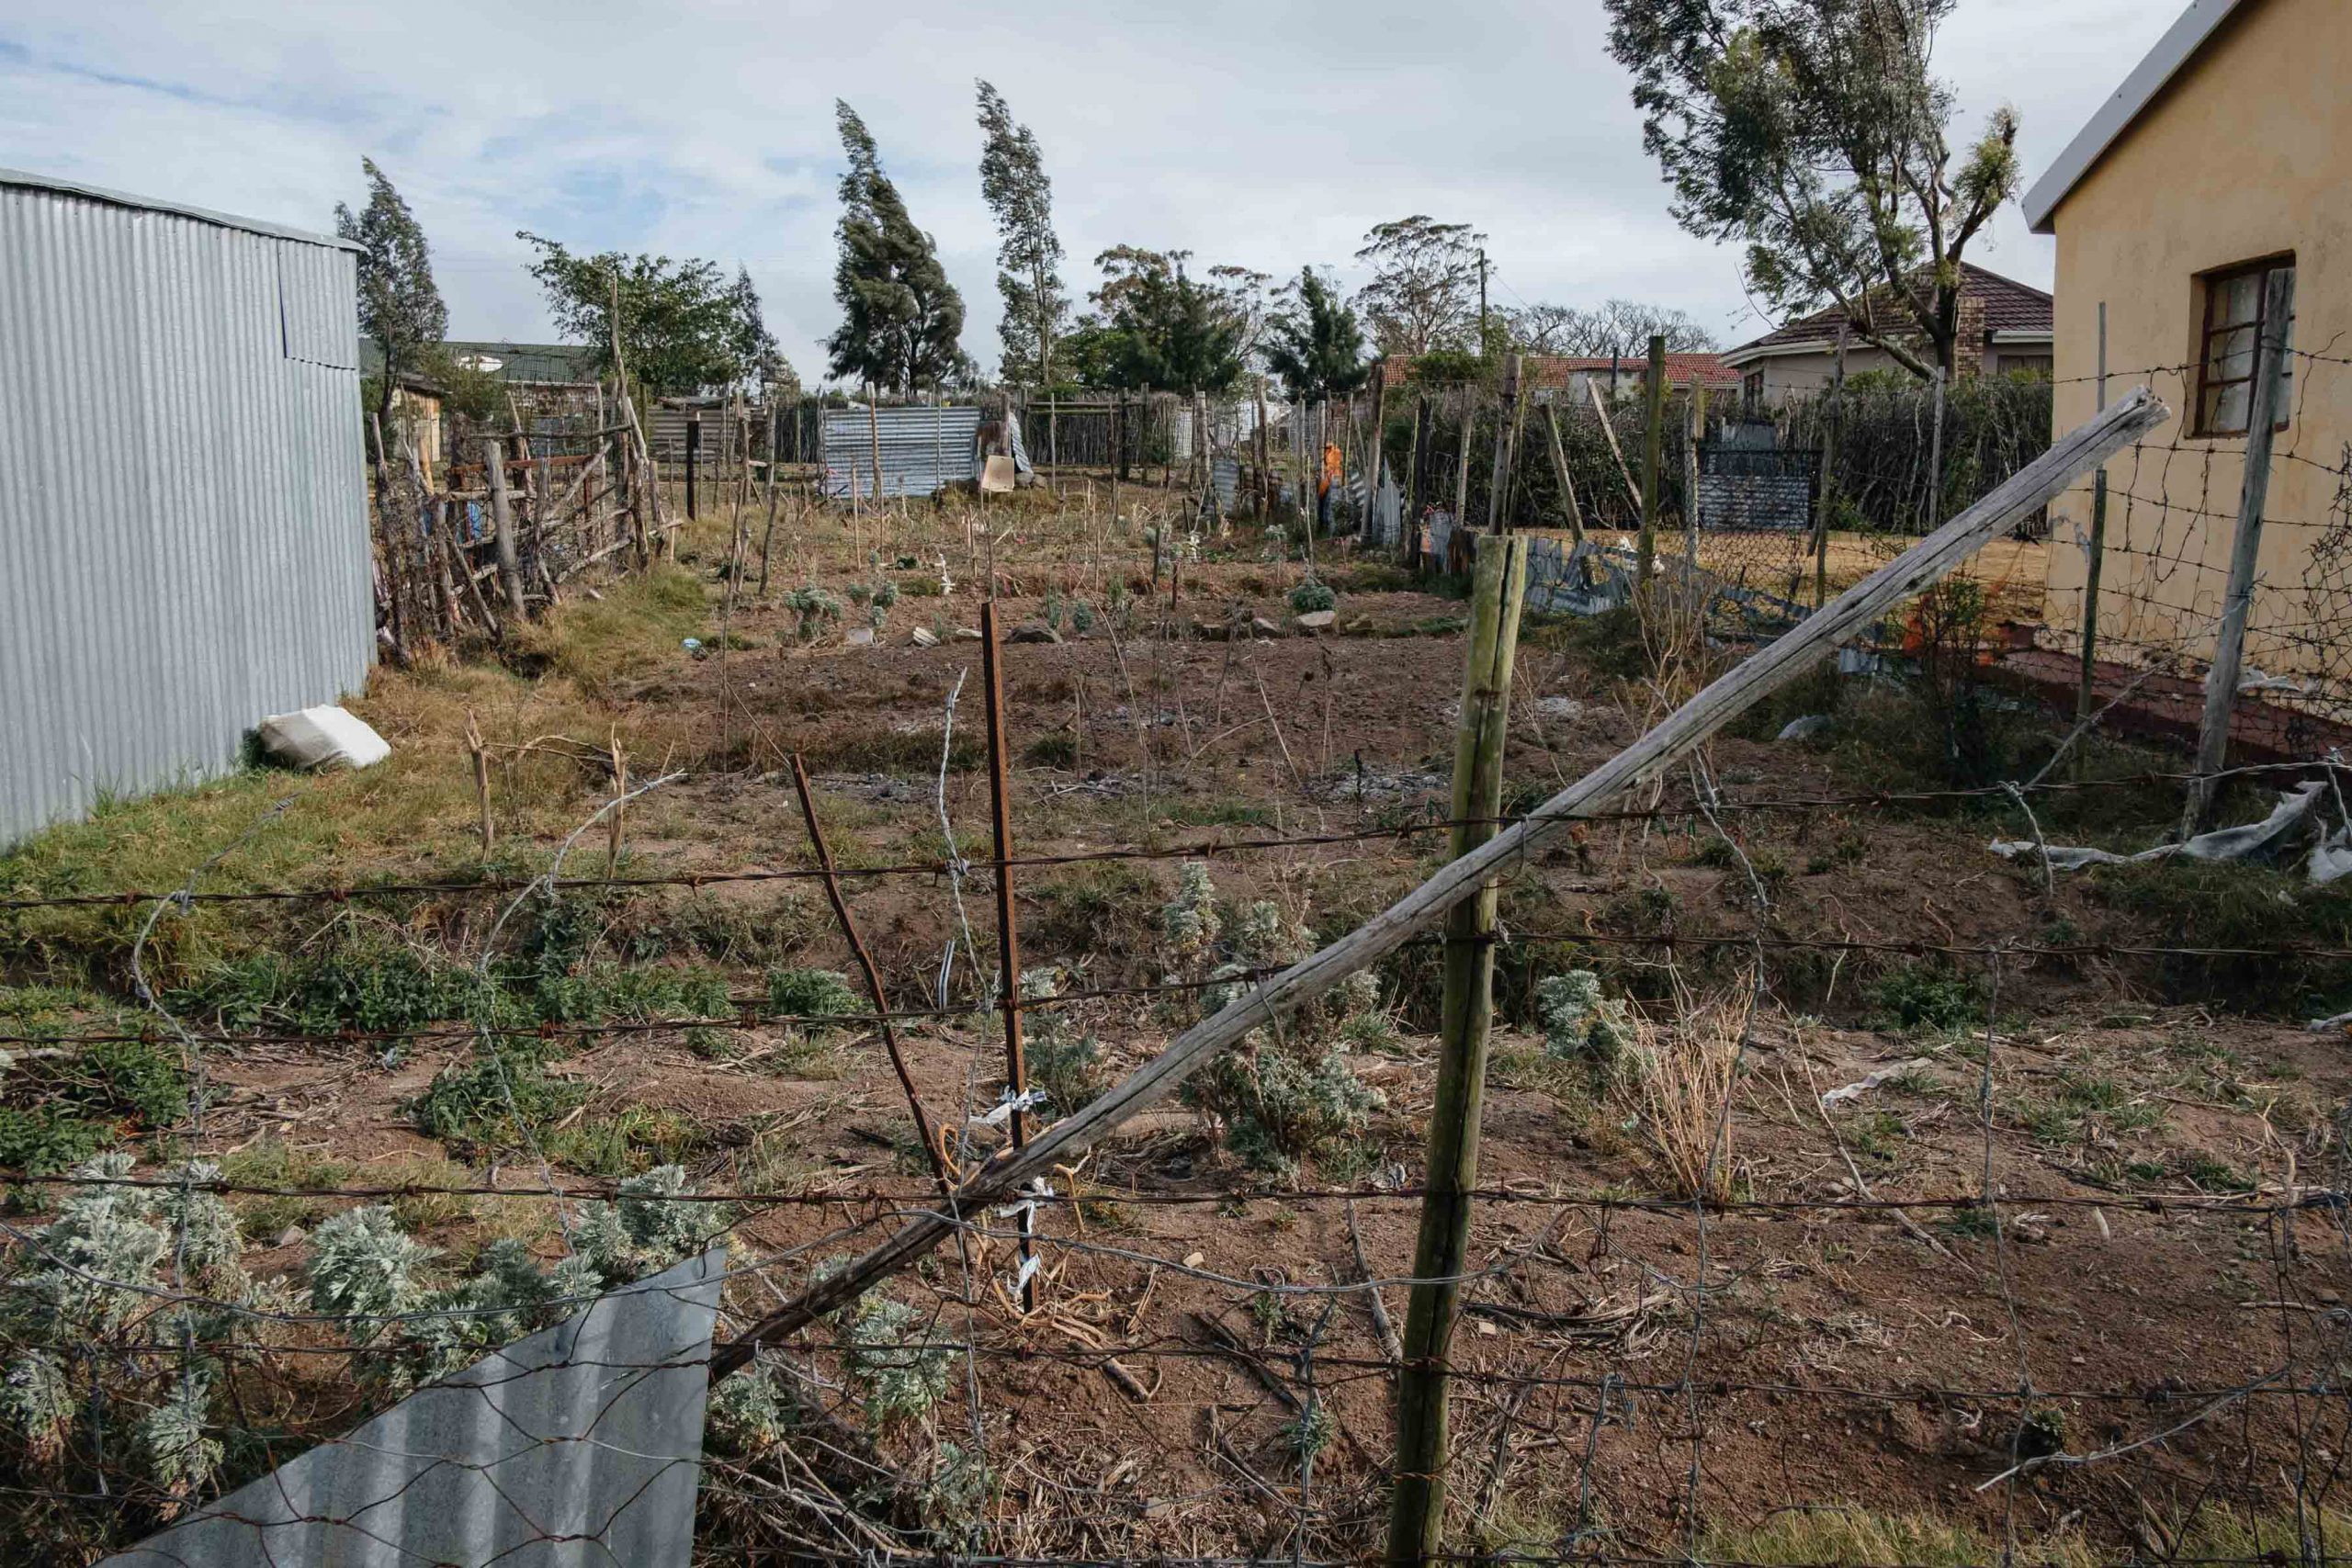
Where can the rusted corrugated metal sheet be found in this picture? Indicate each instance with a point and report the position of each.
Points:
(182, 514)
(578, 1445)
(923, 449)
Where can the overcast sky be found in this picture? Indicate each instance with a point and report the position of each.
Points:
(1269, 135)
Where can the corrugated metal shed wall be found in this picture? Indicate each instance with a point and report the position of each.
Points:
(183, 516)
(922, 449)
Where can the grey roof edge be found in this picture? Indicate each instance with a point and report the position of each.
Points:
(2159, 66)
(24, 179)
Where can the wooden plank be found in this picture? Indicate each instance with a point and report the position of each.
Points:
(1686, 728)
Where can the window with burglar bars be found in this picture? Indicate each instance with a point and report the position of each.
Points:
(2230, 344)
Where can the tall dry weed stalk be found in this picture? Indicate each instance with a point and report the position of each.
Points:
(1683, 1091)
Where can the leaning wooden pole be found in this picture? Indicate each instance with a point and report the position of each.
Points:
(2237, 600)
(1417, 1504)
(1730, 694)
(1008, 928)
(2094, 561)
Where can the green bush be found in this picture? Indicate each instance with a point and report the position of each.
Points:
(1925, 996)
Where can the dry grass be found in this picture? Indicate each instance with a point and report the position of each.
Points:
(1687, 1066)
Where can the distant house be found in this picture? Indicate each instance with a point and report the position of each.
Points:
(1568, 374)
(2004, 327)
(2222, 159)
(517, 363)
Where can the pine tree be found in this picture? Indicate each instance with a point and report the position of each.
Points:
(399, 307)
(1013, 181)
(900, 317)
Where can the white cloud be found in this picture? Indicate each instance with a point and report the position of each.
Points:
(1270, 136)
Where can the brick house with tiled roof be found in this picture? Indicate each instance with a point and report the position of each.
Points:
(2004, 327)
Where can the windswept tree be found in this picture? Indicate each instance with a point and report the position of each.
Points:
(400, 308)
(1814, 131)
(1621, 326)
(682, 326)
(1155, 327)
(1313, 342)
(1425, 279)
(753, 343)
(1029, 254)
(900, 317)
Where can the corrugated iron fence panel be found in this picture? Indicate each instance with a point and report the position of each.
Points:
(183, 516)
(581, 1445)
(923, 449)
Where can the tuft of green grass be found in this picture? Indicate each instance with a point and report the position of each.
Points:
(1925, 996)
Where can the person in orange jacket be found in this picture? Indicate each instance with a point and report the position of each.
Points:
(1329, 481)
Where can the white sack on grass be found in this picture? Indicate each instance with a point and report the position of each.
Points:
(321, 738)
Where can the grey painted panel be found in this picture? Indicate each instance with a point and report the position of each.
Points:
(578, 1445)
(183, 518)
(922, 449)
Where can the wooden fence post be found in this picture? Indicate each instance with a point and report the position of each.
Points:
(2228, 640)
(1826, 484)
(1378, 456)
(1694, 432)
(1498, 483)
(502, 518)
(2094, 552)
(693, 458)
(1415, 466)
(1417, 1504)
(775, 455)
(1008, 929)
(1653, 441)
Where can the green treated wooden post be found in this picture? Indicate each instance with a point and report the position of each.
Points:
(1417, 1507)
(1653, 443)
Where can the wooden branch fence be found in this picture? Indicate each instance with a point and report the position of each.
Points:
(496, 539)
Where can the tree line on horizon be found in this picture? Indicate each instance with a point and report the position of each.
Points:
(1813, 132)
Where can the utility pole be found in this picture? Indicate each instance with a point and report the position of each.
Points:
(1482, 298)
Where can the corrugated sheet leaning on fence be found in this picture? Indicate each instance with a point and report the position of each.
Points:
(582, 1444)
(183, 516)
(923, 449)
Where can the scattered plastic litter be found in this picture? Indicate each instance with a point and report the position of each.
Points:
(1856, 1090)
(1804, 728)
(2265, 840)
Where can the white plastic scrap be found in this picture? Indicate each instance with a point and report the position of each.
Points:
(321, 738)
(1856, 1090)
(2248, 841)
(1803, 728)
(1027, 1099)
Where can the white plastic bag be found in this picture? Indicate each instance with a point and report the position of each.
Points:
(323, 737)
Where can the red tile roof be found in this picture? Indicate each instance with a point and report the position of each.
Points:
(2001, 304)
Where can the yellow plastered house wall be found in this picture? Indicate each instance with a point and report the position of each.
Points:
(2240, 151)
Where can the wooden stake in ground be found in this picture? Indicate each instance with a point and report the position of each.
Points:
(2094, 553)
(767, 538)
(481, 755)
(1416, 1507)
(502, 518)
(1653, 441)
(1826, 488)
(1008, 929)
(2237, 600)
(620, 801)
(1696, 406)
(1498, 483)
(1682, 732)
